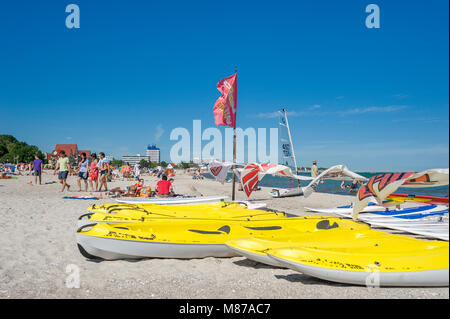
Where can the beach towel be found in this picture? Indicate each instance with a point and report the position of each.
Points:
(82, 197)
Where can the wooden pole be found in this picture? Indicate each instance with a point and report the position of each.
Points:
(233, 195)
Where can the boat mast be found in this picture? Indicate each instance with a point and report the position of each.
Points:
(290, 143)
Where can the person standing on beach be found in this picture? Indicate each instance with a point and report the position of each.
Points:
(103, 167)
(354, 185)
(37, 168)
(314, 170)
(137, 170)
(93, 172)
(64, 170)
(126, 170)
(83, 172)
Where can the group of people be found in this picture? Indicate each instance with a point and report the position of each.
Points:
(126, 171)
(163, 188)
(94, 172)
(353, 187)
(198, 174)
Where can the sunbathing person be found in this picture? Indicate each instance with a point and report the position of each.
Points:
(132, 191)
(164, 187)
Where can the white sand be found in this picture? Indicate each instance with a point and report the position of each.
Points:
(37, 239)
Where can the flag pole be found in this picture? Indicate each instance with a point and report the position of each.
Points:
(233, 195)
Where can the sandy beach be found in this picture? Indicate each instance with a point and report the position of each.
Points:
(39, 253)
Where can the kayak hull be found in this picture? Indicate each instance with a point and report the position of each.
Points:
(113, 249)
(286, 192)
(178, 238)
(428, 278)
(258, 257)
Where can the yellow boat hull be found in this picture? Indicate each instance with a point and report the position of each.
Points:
(394, 262)
(256, 248)
(178, 238)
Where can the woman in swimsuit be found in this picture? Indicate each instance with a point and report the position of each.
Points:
(83, 173)
(93, 172)
(103, 167)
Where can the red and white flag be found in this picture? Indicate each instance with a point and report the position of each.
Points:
(219, 170)
(225, 107)
(379, 187)
(252, 174)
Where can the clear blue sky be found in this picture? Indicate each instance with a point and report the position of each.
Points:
(373, 99)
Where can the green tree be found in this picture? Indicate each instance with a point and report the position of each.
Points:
(11, 150)
(145, 164)
(163, 164)
(185, 165)
(117, 163)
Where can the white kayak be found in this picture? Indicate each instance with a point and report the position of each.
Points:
(405, 213)
(439, 230)
(415, 220)
(346, 210)
(286, 192)
(175, 200)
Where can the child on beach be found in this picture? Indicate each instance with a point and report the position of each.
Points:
(37, 168)
(93, 172)
(64, 170)
(83, 172)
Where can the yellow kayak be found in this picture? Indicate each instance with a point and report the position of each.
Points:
(381, 262)
(144, 208)
(140, 213)
(256, 248)
(180, 238)
(133, 216)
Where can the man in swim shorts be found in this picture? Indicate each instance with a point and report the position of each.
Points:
(64, 170)
(37, 168)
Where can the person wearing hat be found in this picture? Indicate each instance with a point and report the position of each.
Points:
(314, 169)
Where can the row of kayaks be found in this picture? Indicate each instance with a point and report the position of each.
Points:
(427, 220)
(329, 248)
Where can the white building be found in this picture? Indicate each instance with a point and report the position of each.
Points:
(153, 153)
(133, 159)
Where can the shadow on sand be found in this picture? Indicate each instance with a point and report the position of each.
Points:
(254, 264)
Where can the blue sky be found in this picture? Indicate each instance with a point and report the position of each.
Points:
(373, 99)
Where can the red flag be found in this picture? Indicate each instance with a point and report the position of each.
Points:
(225, 107)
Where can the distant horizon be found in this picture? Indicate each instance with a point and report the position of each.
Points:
(378, 170)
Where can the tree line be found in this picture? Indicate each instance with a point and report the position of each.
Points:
(14, 151)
